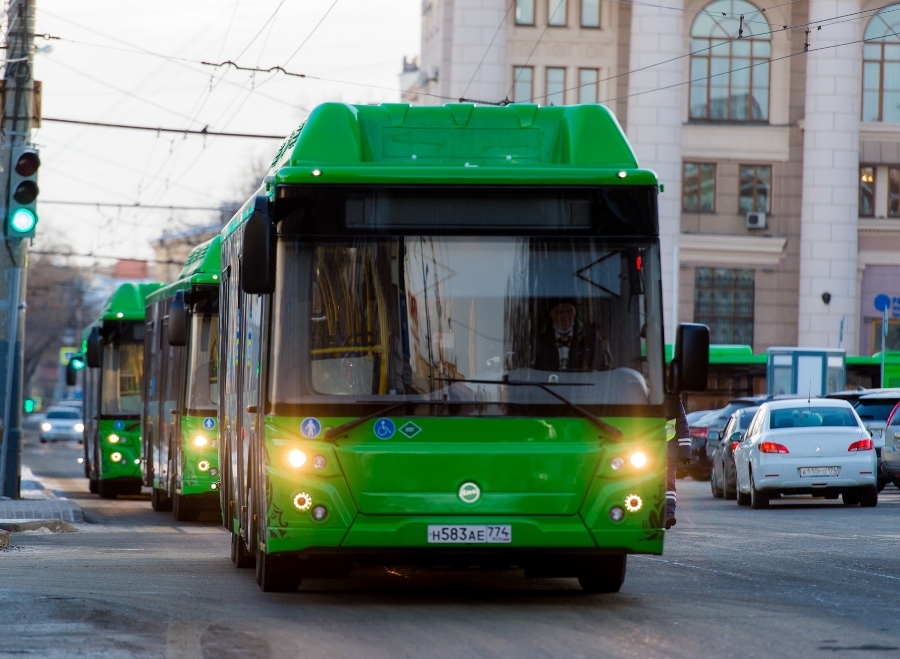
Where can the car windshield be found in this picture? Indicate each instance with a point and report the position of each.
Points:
(745, 417)
(874, 410)
(63, 414)
(462, 319)
(812, 417)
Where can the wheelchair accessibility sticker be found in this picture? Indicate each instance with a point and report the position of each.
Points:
(209, 423)
(384, 428)
(310, 427)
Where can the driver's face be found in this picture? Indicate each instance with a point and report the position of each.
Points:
(563, 315)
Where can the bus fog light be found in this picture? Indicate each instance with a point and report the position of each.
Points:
(113, 439)
(302, 501)
(297, 458)
(214, 486)
(633, 503)
(638, 459)
(200, 440)
(116, 457)
(319, 462)
(616, 463)
(616, 514)
(213, 472)
(319, 513)
(203, 465)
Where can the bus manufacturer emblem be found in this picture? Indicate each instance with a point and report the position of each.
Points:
(469, 493)
(410, 429)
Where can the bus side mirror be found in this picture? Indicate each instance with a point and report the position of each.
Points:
(178, 321)
(258, 256)
(691, 362)
(94, 348)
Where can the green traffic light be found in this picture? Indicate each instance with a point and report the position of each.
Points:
(77, 364)
(23, 220)
(28, 405)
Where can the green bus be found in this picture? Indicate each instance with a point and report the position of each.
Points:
(113, 347)
(181, 391)
(444, 346)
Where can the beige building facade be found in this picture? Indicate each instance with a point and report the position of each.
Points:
(775, 131)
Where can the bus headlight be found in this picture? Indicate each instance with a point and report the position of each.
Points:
(116, 457)
(297, 458)
(113, 439)
(638, 459)
(302, 501)
(203, 465)
(200, 440)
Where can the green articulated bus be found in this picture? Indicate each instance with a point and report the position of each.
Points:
(114, 351)
(444, 346)
(181, 388)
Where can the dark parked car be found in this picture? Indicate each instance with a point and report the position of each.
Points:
(703, 444)
(890, 454)
(722, 481)
(873, 410)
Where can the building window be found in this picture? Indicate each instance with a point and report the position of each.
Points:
(523, 80)
(556, 13)
(590, 13)
(867, 192)
(756, 187)
(730, 75)
(556, 86)
(524, 12)
(881, 67)
(588, 89)
(893, 192)
(699, 187)
(723, 300)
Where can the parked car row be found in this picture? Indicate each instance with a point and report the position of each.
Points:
(821, 447)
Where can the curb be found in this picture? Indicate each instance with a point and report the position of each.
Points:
(51, 525)
(4, 538)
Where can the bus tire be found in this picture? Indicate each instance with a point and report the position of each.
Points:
(608, 576)
(271, 579)
(239, 554)
(107, 490)
(93, 486)
(184, 509)
(160, 501)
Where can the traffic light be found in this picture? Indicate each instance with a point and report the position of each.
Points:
(28, 406)
(75, 364)
(21, 216)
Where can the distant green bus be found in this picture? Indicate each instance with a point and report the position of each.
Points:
(181, 388)
(114, 351)
(443, 345)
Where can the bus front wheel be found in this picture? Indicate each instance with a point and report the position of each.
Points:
(273, 578)
(608, 577)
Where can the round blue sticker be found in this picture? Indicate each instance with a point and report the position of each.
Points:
(119, 425)
(209, 423)
(384, 428)
(310, 427)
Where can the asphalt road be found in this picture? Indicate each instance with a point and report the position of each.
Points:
(802, 579)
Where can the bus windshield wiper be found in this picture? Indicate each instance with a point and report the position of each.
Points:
(610, 430)
(332, 433)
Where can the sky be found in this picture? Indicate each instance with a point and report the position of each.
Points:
(140, 63)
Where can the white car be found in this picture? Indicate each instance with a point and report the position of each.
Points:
(62, 423)
(798, 446)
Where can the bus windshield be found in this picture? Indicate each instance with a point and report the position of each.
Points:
(123, 369)
(461, 319)
(203, 380)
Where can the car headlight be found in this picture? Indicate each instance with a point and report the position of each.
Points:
(46, 427)
(79, 427)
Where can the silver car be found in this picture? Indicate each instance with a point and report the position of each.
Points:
(62, 423)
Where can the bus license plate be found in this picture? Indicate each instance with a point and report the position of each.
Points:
(464, 533)
(819, 471)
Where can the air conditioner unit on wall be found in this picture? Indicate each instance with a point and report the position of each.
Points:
(756, 220)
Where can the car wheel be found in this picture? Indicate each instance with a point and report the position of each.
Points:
(608, 579)
(714, 485)
(742, 498)
(43, 441)
(851, 497)
(881, 483)
(868, 497)
(897, 483)
(758, 500)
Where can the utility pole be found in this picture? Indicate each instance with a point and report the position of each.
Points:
(18, 109)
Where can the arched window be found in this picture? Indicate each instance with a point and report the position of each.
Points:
(881, 67)
(730, 64)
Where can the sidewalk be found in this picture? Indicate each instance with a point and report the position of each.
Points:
(38, 503)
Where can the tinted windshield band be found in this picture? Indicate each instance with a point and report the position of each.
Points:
(446, 210)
